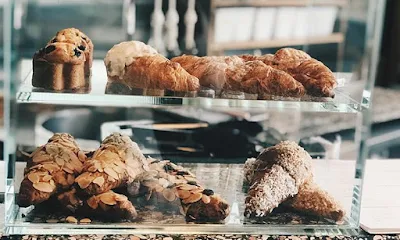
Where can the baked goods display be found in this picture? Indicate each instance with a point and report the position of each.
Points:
(86, 183)
(64, 63)
(133, 67)
(117, 182)
(282, 174)
(137, 65)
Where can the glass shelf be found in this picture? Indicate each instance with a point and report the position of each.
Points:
(226, 180)
(343, 102)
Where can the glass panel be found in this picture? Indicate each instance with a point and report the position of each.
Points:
(211, 137)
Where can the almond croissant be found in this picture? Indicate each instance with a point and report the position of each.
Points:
(138, 65)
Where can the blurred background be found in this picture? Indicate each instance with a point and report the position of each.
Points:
(333, 32)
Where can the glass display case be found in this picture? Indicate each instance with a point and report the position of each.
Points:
(139, 155)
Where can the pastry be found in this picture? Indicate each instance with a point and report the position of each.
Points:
(267, 59)
(313, 200)
(279, 172)
(283, 174)
(117, 162)
(51, 168)
(171, 186)
(64, 63)
(138, 65)
(110, 205)
(209, 70)
(79, 39)
(317, 78)
(59, 66)
(257, 78)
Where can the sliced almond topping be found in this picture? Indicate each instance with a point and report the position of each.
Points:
(120, 197)
(119, 169)
(163, 182)
(92, 168)
(111, 172)
(99, 181)
(40, 157)
(44, 187)
(69, 166)
(82, 156)
(187, 187)
(46, 178)
(33, 177)
(92, 202)
(71, 219)
(169, 194)
(159, 188)
(183, 194)
(75, 161)
(68, 170)
(52, 149)
(193, 198)
(206, 199)
(85, 220)
(84, 182)
(51, 167)
(108, 198)
(60, 161)
(70, 179)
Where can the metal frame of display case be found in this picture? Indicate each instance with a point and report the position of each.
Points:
(26, 95)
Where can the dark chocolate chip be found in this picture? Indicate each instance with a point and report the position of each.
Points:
(77, 52)
(155, 161)
(54, 40)
(208, 192)
(49, 49)
(168, 168)
(181, 173)
(84, 38)
(192, 183)
(81, 47)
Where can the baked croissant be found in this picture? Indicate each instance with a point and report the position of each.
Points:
(209, 70)
(257, 78)
(317, 78)
(138, 65)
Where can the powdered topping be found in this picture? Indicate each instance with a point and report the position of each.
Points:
(123, 54)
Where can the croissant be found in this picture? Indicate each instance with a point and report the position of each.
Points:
(257, 78)
(209, 70)
(138, 65)
(317, 78)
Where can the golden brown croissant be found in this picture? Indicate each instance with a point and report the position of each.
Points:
(257, 78)
(317, 78)
(209, 70)
(137, 65)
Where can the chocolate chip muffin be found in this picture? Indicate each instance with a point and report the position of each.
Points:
(65, 63)
(59, 66)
